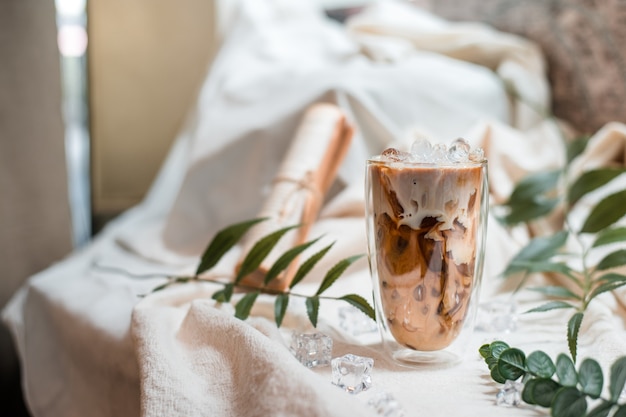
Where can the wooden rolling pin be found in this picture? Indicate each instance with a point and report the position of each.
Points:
(298, 190)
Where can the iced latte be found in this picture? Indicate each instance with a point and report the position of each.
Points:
(425, 226)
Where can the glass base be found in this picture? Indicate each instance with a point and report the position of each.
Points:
(422, 359)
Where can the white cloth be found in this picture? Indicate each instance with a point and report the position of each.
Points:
(90, 344)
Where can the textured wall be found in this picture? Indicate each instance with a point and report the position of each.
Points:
(583, 41)
(147, 59)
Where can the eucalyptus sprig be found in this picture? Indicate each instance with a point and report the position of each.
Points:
(541, 194)
(228, 237)
(559, 386)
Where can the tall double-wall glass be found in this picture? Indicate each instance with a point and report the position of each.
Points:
(426, 226)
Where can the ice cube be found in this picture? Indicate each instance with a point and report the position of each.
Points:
(497, 316)
(510, 395)
(439, 154)
(311, 349)
(395, 155)
(386, 405)
(421, 150)
(459, 151)
(477, 155)
(352, 372)
(355, 322)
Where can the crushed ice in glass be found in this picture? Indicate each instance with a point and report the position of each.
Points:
(497, 316)
(311, 349)
(355, 322)
(510, 395)
(386, 405)
(352, 373)
(423, 151)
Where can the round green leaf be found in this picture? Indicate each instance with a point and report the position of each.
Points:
(497, 348)
(590, 377)
(543, 391)
(621, 411)
(618, 378)
(540, 364)
(485, 351)
(527, 393)
(511, 364)
(601, 410)
(496, 375)
(569, 402)
(565, 371)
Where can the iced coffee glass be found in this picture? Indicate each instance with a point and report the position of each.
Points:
(426, 214)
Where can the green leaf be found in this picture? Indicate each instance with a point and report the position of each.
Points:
(280, 307)
(485, 351)
(605, 213)
(621, 411)
(497, 347)
(527, 392)
(606, 287)
(610, 235)
(496, 375)
(590, 377)
(360, 303)
(552, 305)
(612, 260)
(569, 402)
(573, 326)
(555, 291)
(511, 364)
(529, 187)
(491, 362)
(223, 241)
(259, 251)
(590, 181)
(543, 391)
(601, 410)
(528, 210)
(538, 249)
(576, 147)
(565, 371)
(285, 259)
(335, 272)
(540, 364)
(243, 306)
(307, 265)
(612, 277)
(618, 378)
(224, 295)
(548, 266)
(312, 309)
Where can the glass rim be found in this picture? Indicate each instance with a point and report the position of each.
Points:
(464, 164)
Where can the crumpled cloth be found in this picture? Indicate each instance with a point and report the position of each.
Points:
(92, 338)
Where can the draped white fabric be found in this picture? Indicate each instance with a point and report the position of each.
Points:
(90, 344)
